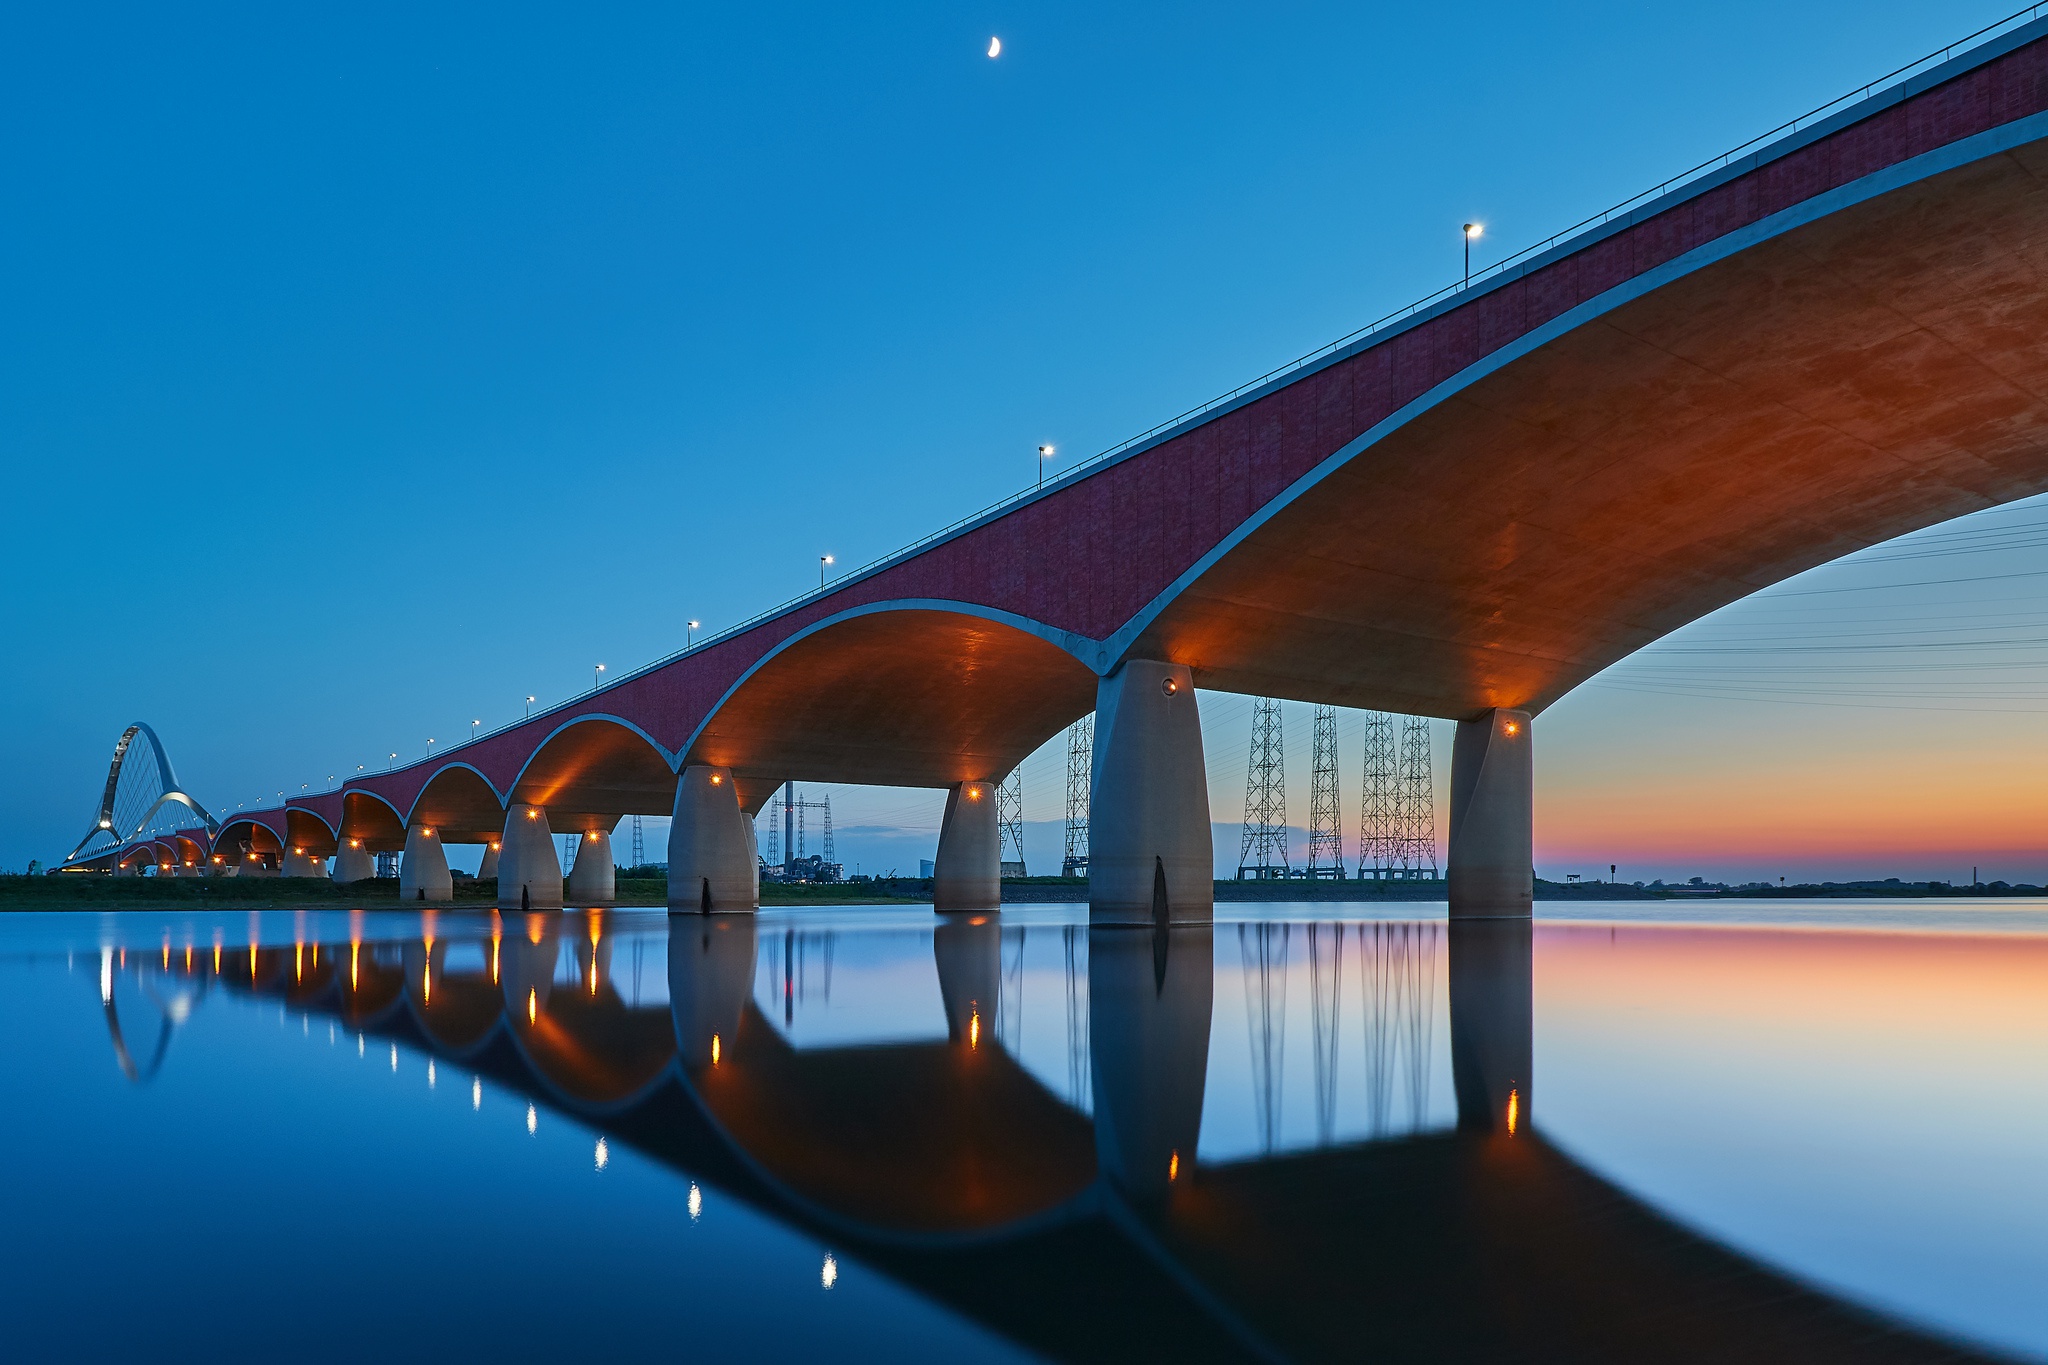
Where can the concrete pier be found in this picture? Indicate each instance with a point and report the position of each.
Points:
(353, 862)
(710, 976)
(711, 866)
(1492, 855)
(529, 869)
(423, 871)
(593, 877)
(488, 868)
(1151, 859)
(297, 863)
(968, 873)
(1150, 994)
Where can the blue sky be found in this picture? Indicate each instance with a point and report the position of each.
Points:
(364, 370)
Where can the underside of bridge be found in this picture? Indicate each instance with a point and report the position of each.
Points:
(1875, 371)
(912, 698)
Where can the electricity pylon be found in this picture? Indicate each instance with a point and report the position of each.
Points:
(1263, 854)
(1080, 779)
(1010, 824)
(1378, 841)
(1418, 801)
(1325, 813)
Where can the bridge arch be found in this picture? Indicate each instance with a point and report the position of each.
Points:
(459, 803)
(592, 770)
(140, 784)
(914, 693)
(369, 820)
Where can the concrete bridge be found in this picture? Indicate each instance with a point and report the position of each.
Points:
(950, 1167)
(1834, 339)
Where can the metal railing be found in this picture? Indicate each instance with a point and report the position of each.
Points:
(1080, 469)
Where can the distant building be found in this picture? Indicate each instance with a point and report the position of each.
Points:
(924, 867)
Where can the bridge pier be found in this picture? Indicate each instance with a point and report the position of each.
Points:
(1150, 1000)
(297, 863)
(1150, 855)
(594, 877)
(423, 871)
(710, 977)
(967, 874)
(711, 864)
(969, 955)
(488, 868)
(529, 869)
(1490, 868)
(353, 862)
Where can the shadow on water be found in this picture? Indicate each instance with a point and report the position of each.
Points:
(949, 1165)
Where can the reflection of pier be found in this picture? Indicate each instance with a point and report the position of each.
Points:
(949, 1166)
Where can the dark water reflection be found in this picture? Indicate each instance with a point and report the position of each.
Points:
(869, 1134)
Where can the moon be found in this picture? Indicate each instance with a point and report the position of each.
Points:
(995, 47)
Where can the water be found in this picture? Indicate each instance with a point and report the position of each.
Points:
(1774, 1131)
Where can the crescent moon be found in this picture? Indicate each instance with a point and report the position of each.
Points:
(995, 47)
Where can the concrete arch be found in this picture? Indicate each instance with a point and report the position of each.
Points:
(371, 820)
(1846, 370)
(459, 803)
(309, 830)
(594, 769)
(918, 693)
(244, 840)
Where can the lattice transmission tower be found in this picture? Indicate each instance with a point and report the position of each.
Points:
(1263, 854)
(1010, 823)
(1080, 780)
(1379, 813)
(1418, 800)
(639, 845)
(1325, 810)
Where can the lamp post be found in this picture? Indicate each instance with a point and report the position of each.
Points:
(596, 672)
(1471, 230)
(394, 761)
(823, 560)
(472, 730)
(529, 708)
(690, 638)
(1044, 454)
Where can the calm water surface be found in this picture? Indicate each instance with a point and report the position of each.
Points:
(1773, 1131)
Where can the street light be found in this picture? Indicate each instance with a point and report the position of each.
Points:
(394, 762)
(472, 730)
(596, 672)
(823, 560)
(1471, 230)
(691, 637)
(529, 708)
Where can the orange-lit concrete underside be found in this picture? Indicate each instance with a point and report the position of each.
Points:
(1876, 371)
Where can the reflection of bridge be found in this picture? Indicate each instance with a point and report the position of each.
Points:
(1828, 341)
(950, 1167)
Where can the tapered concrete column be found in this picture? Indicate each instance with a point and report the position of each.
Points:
(1150, 996)
(423, 871)
(1492, 1023)
(297, 863)
(710, 977)
(353, 862)
(1492, 853)
(969, 953)
(711, 866)
(529, 869)
(488, 868)
(593, 878)
(968, 872)
(1150, 857)
(252, 865)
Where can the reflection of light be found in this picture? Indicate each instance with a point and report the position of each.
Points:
(829, 1274)
(430, 1073)
(299, 961)
(188, 957)
(532, 1006)
(714, 1049)
(494, 957)
(476, 1092)
(1173, 1167)
(355, 950)
(1514, 1110)
(106, 975)
(532, 1119)
(974, 1029)
(359, 1045)
(394, 1058)
(593, 976)
(603, 1155)
(426, 985)
(696, 1202)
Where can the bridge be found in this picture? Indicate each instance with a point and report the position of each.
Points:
(1825, 341)
(950, 1167)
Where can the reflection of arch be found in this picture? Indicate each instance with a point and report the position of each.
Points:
(459, 803)
(594, 769)
(459, 1011)
(124, 814)
(922, 694)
